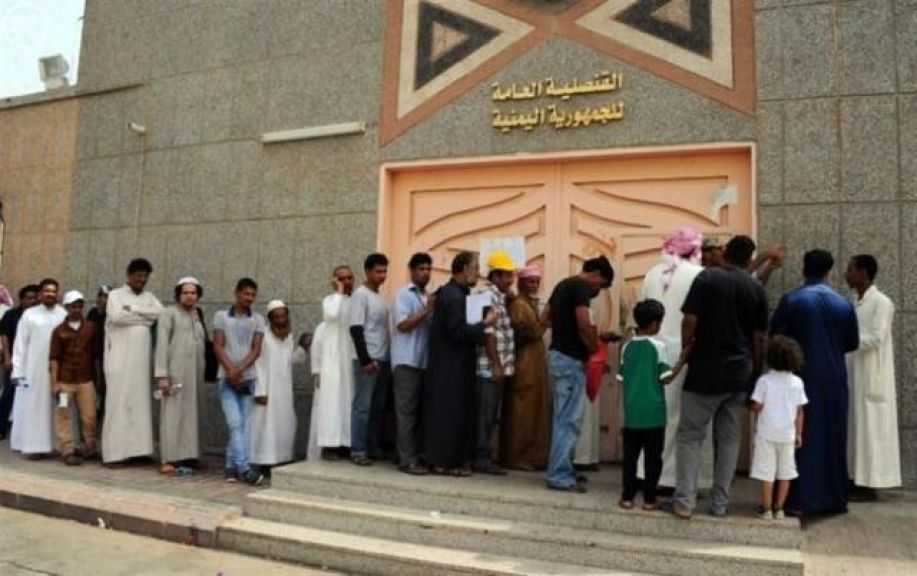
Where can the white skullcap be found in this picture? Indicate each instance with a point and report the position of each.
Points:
(274, 305)
(188, 280)
(73, 296)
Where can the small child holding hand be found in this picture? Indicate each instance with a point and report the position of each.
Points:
(778, 401)
(643, 373)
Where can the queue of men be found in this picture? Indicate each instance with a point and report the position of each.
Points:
(469, 394)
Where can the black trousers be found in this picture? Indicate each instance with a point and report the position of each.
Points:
(650, 441)
(6, 404)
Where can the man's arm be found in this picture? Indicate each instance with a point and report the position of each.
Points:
(253, 353)
(411, 322)
(490, 348)
(759, 350)
(587, 331)
(54, 356)
(7, 353)
(219, 350)
(688, 330)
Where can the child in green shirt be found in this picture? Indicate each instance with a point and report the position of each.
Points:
(643, 373)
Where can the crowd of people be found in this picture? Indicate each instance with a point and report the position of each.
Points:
(482, 377)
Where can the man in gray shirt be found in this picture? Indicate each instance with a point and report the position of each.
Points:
(369, 330)
(237, 336)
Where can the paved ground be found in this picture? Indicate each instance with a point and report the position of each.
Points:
(873, 539)
(33, 545)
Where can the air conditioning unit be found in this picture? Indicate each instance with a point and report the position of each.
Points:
(53, 71)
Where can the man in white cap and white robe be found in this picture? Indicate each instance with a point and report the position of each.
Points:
(272, 420)
(33, 430)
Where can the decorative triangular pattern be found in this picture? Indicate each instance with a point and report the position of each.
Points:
(704, 49)
(675, 12)
(425, 71)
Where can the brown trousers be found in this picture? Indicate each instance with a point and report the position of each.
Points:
(83, 397)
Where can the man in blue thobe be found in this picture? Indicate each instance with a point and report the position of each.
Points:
(825, 325)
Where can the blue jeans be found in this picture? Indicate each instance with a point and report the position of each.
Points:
(236, 408)
(368, 410)
(568, 378)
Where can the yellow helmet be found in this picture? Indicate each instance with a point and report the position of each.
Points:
(500, 260)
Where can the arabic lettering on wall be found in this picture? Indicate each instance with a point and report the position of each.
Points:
(554, 115)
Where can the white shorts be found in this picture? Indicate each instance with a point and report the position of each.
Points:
(773, 460)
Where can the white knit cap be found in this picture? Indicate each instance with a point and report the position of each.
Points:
(274, 305)
(188, 280)
(73, 296)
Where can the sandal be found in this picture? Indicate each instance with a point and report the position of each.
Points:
(361, 461)
(167, 470)
(626, 504)
(650, 506)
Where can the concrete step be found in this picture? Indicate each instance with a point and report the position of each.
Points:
(664, 556)
(354, 554)
(522, 497)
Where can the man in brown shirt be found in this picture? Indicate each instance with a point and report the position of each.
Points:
(72, 356)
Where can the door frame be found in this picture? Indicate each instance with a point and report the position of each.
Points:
(388, 169)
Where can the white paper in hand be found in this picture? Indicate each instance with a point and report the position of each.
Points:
(474, 307)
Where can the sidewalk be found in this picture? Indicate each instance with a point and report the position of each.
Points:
(874, 538)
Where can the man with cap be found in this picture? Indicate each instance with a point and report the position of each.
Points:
(496, 359)
(712, 252)
(272, 420)
(73, 345)
(97, 316)
(32, 432)
(179, 372)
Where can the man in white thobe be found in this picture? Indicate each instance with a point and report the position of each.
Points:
(128, 428)
(33, 407)
(272, 421)
(336, 374)
(669, 282)
(873, 458)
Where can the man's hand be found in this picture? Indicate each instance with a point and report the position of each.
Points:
(371, 368)
(56, 388)
(261, 400)
(491, 319)
(799, 441)
(610, 336)
(165, 386)
(776, 254)
(8, 365)
(336, 285)
(305, 341)
(431, 302)
(499, 374)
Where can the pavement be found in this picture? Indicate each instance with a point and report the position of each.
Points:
(874, 538)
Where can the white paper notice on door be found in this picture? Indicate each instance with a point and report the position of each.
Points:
(512, 245)
(475, 305)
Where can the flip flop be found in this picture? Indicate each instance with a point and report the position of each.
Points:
(167, 470)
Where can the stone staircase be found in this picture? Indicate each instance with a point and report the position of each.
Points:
(377, 521)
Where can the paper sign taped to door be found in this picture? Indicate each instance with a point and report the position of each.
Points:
(512, 245)
(475, 305)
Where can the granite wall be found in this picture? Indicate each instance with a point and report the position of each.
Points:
(836, 128)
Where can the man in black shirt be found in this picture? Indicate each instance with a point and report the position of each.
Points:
(725, 326)
(573, 339)
(97, 316)
(28, 297)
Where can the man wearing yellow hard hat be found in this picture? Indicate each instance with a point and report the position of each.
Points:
(496, 359)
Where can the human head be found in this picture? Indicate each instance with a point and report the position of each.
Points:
(246, 292)
(465, 268)
(138, 273)
(344, 276)
(648, 315)
(598, 273)
(278, 314)
(102, 297)
(685, 243)
(529, 279)
(784, 354)
(739, 251)
(48, 292)
(500, 270)
(376, 269)
(817, 264)
(188, 291)
(28, 295)
(711, 254)
(421, 267)
(74, 303)
(861, 271)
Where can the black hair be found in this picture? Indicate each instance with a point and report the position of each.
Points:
(648, 311)
(373, 260)
(139, 265)
(178, 289)
(867, 263)
(462, 261)
(784, 354)
(420, 259)
(29, 288)
(739, 251)
(246, 282)
(602, 266)
(48, 282)
(817, 263)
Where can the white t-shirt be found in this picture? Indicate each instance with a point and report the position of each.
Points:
(781, 393)
(368, 309)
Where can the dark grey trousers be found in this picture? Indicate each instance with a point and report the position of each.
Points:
(489, 396)
(408, 387)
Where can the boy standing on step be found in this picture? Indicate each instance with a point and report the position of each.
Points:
(643, 373)
(778, 400)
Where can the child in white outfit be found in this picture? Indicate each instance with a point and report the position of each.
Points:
(778, 400)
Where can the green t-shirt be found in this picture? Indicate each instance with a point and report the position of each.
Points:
(642, 368)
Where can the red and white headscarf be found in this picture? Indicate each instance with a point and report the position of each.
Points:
(684, 244)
